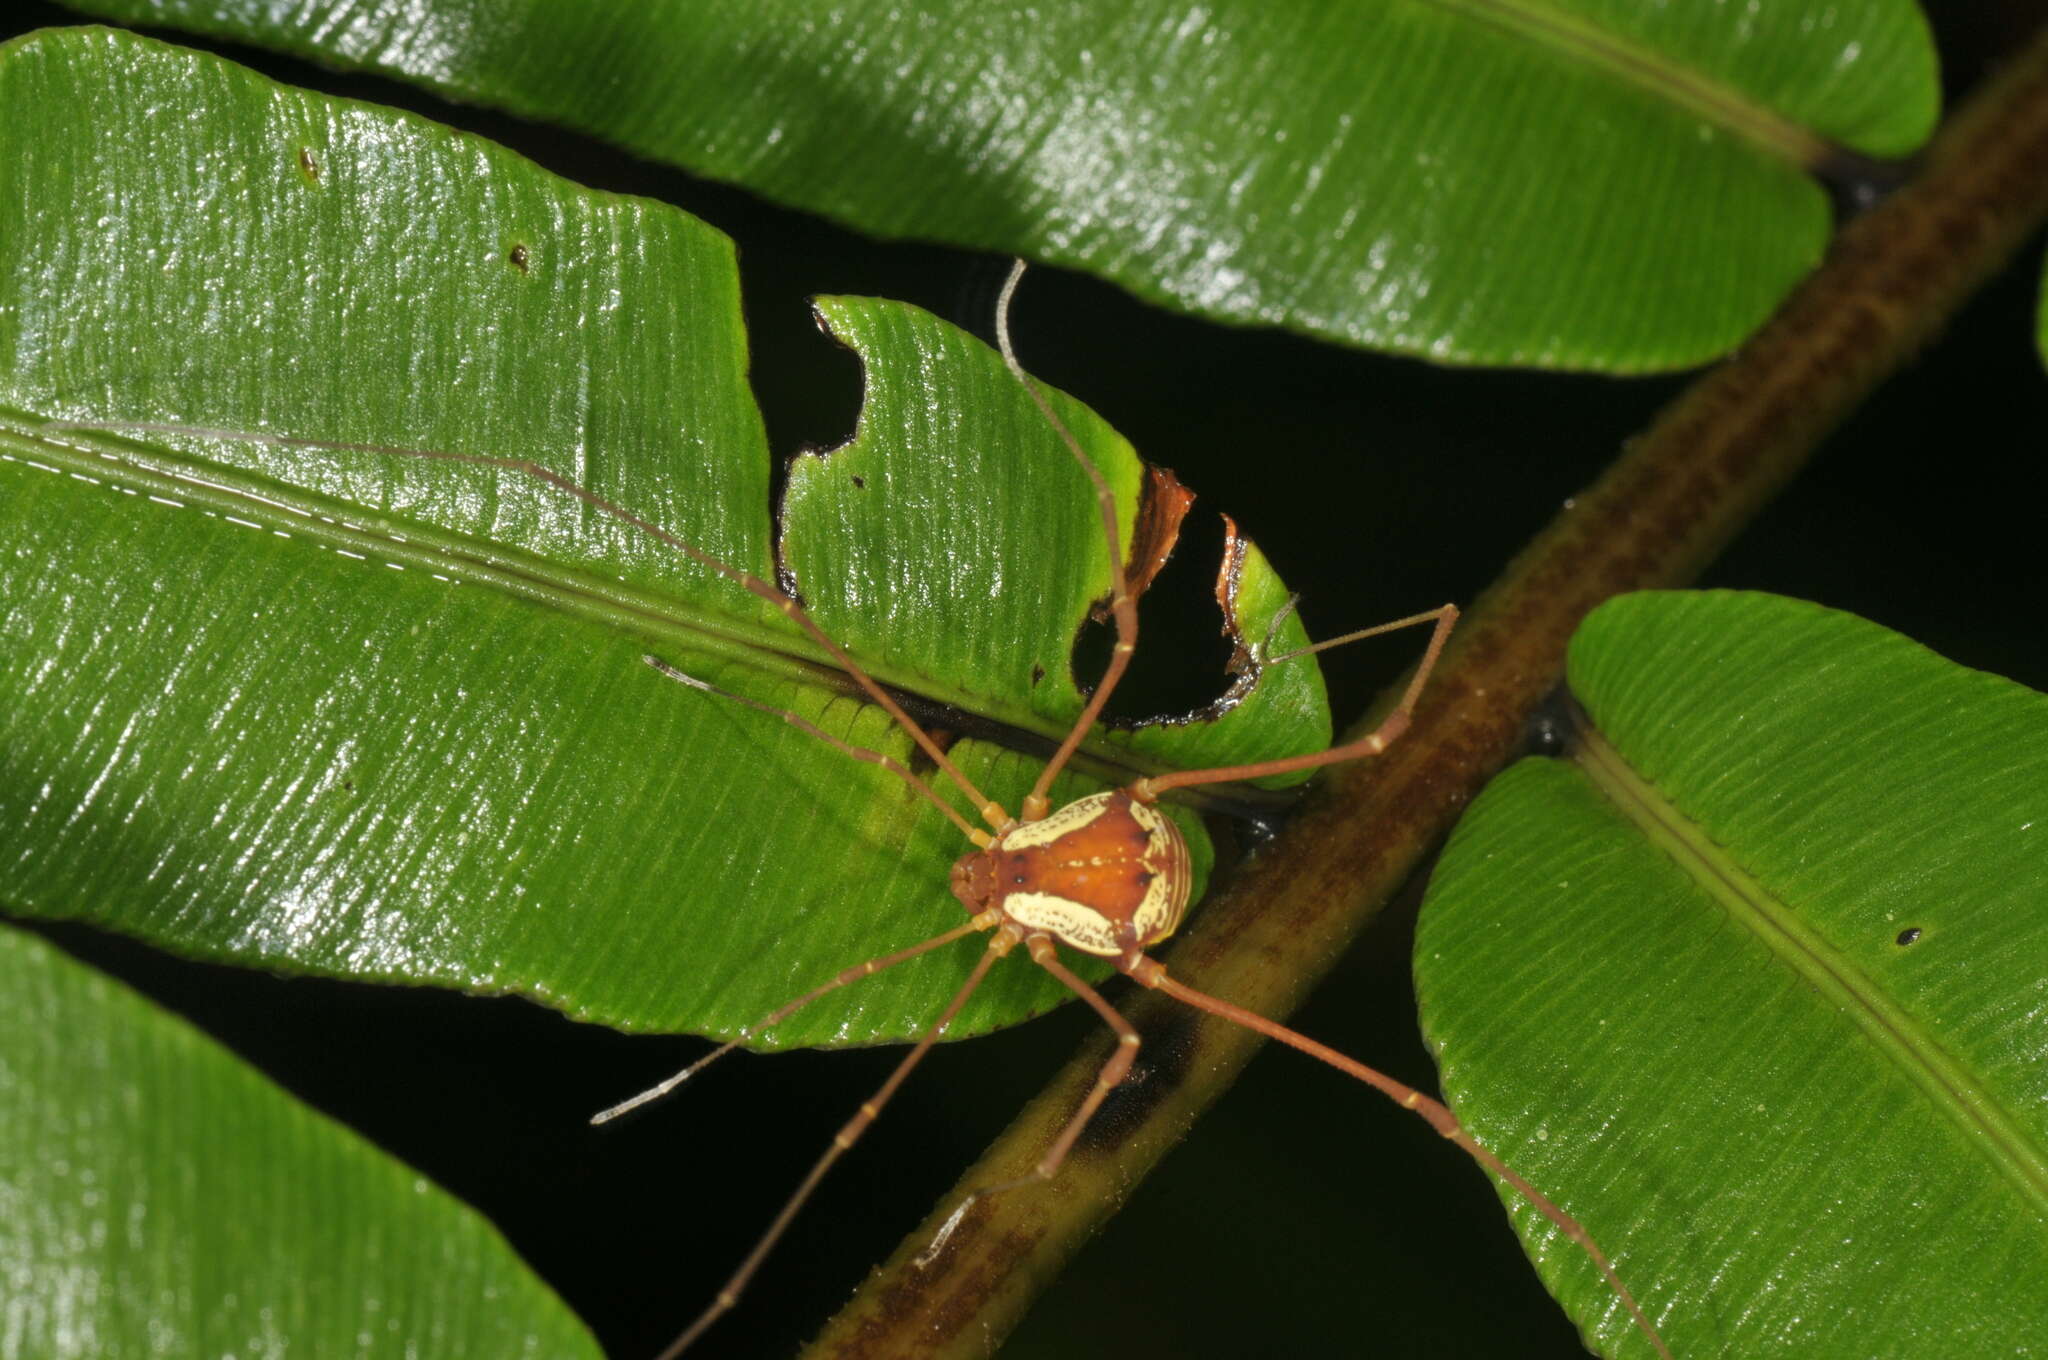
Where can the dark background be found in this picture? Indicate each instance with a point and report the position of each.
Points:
(1303, 1217)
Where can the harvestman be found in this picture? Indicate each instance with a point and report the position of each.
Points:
(1106, 875)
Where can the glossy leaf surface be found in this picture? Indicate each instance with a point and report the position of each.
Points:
(1587, 184)
(374, 716)
(1795, 1082)
(162, 1198)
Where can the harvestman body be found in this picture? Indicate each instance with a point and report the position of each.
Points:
(1106, 875)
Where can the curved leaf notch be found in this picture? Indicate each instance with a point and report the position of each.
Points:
(1798, 1083)
(1576, 183)
(364, 714)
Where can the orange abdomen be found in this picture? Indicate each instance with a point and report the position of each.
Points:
(1105, 874)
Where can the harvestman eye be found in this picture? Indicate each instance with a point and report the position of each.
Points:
(1106, 875)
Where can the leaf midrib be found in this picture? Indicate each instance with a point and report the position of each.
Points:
(1708, 100)
(607, 603)
(1950, 1085)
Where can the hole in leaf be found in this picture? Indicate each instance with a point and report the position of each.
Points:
(1182, 649)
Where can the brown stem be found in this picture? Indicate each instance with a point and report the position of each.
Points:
(1661, 512)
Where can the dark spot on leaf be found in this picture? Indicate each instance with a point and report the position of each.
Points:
(1037, 672)
(860, 484)
(308, 166)
(517, 257)
(1908, 935)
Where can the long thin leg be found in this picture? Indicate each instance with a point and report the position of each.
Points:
(1152, 973)
(1003, 941)
(1121, 605)
(990, 811)
(861, 753)
(1108, 1079)
(1371, 744)
(1358, 635)
(985, 921)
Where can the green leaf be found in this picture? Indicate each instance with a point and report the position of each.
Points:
(374, 716)
(2041, 321)
(1752, 985)
(1594, 184)
(158, 1197)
